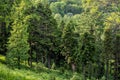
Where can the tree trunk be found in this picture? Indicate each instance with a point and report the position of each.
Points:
(30, 58)
(117, 59)
(48, 61)
(18, 62)
(73, 67)
(84, 71)
(37, 58)
(107, 69)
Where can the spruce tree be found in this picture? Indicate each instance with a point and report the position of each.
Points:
(42, 29)
(111, 39)
(18, 41)
(5, 10)
(69, 44)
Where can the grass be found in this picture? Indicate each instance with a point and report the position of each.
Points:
(42, 73)
(23, 74)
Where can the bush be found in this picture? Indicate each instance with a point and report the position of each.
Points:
(62, 70)
(39, 67)
(53, 66)
(103, 78)
(52, 78)
(76, 77)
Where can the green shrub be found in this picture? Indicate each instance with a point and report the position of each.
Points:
(62, 70)
(53, 66)
(103, 78)
(29, 74)
(75, 77)
(52, 78)
(39, 67)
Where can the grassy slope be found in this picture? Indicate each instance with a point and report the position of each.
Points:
(27, 74)
(41, 73)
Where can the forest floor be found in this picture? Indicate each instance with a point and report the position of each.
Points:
(25, 73)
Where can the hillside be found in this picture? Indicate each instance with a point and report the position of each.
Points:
(26, 73)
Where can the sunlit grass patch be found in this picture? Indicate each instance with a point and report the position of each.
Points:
(23, 74)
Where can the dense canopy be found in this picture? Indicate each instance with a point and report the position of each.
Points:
(78, 36)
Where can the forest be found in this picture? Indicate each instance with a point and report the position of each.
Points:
(59, 39)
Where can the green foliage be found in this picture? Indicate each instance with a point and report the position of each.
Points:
(26, 74)
(17, 45)
(69, 42)
(76, 77)
(5, 10)
(64, 7)
(42, 27)
(2, 59)
(111, 30)
(58, 18)
(88, 48)
(52, 78)
(58, 7)
(82, 35)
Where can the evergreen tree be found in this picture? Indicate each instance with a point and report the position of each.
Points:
(17, 45)
(111, 29)
(5, 10)
(42, 28)
(69, 43)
